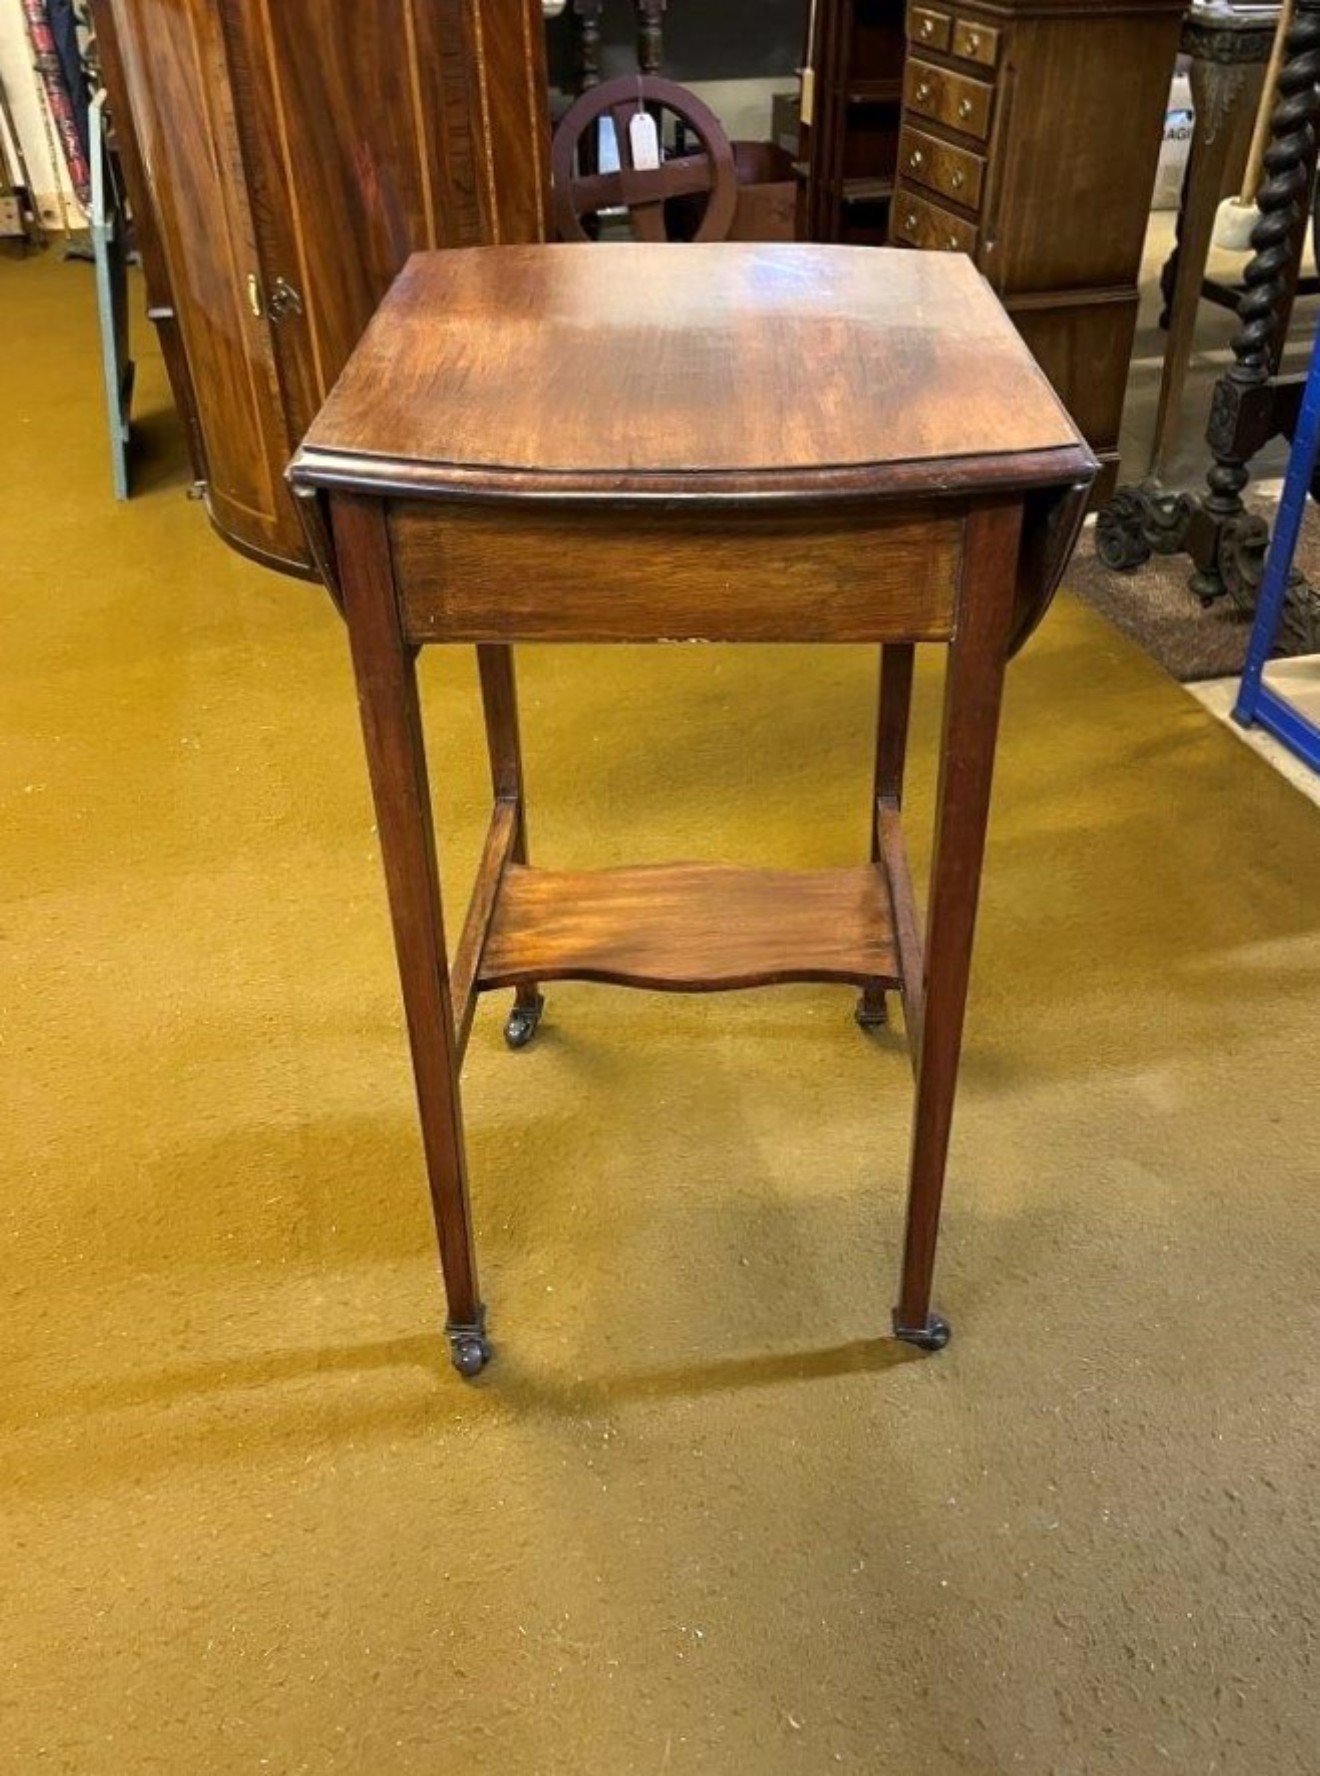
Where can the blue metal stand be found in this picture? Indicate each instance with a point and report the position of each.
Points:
(1256, 703)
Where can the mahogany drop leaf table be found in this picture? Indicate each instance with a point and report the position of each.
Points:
(713, 443)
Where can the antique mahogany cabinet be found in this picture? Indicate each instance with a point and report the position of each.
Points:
(284, 158)
(1024, 133)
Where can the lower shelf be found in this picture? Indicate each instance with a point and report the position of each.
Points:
(691, 927)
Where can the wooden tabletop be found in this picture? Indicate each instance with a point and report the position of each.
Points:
(728, 370)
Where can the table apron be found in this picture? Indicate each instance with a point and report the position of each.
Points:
(488, 573)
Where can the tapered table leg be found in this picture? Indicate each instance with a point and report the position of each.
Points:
(972, 697)
(385, 668)
(499, 697)
(896, 662)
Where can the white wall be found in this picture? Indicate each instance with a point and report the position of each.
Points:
(49, 179)
(743, 106)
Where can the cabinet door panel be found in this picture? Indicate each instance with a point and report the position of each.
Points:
(373, 129)
(1077, 186)
(294, 153)
(510, 67)
(178, 89)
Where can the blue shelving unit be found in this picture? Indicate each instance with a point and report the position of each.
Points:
(1257, 704)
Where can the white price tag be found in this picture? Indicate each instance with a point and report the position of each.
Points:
(644, 140)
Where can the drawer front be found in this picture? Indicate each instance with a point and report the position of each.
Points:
(952, 99)
(953, 172)
(976, 42)
(930, 29)
(924, 224)
(483, 573)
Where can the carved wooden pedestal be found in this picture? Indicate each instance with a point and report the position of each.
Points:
(1229, 53)
(1252, 403)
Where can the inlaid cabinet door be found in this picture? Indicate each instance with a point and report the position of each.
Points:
(372, 129)
(172, 57)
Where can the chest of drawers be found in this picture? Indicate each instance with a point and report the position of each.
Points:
(1024, 133)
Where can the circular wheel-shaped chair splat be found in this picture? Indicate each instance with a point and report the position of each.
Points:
(642, 191)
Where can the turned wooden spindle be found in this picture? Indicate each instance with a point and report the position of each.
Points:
(650, 34)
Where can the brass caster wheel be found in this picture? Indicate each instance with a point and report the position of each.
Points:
(933, 1336)
(523, 1022)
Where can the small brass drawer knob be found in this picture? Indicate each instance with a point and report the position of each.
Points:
(964, 108)
(928, 27)
(953, 243)
(973, 42)
(915, 159)
(959, 180)
(923, 91)
(911, 220)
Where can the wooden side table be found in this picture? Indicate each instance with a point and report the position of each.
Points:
(715, 443)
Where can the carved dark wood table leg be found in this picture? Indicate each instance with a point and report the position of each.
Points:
(1251, 404)
(1228, 544)
(1228, 66)
(512, 456)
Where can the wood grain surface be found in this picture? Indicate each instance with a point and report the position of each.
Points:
(501, 840)
(955, 100)
(953, 171)
(176, 86)
(641, 369)
(146, 230)
(973, 695)
(1057, 216)
(920, 223)
(691, 927)
(284, 158)
(477, 573)
(385, 669)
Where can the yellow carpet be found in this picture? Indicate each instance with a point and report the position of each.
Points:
(701, 1514)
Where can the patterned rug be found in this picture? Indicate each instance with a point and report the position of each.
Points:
(1154, 607)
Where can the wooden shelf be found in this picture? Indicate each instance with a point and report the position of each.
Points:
(691, 927)
(874, 92)
(868, 190)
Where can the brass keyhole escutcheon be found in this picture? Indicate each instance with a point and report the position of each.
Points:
(964, 108)
(284, 300)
